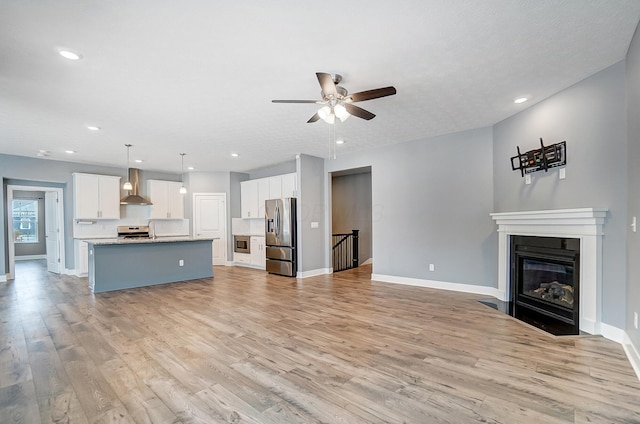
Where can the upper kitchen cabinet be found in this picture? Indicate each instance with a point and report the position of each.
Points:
(263, 194)
(253, 193)
(289, 185)
(282, 186)
(249, 199)
(96, 196)
(167, 201)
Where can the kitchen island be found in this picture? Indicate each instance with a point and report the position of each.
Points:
(116, 264)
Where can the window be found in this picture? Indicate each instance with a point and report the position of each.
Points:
(25, 220)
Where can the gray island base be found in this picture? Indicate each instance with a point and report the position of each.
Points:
(117, 264)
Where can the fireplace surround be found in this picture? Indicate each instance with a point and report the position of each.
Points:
(586, 226)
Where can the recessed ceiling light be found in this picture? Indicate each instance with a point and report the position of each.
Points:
(190, 168)
(70, 151)
(138, 160)
(93, 128)
(339, 141)
(235, 155)
(520, 100)
(70, 55)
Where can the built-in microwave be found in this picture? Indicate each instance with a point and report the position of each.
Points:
(242, 244)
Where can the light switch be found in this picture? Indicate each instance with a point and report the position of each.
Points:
(527, 179)
(561, 174)
(314, 225)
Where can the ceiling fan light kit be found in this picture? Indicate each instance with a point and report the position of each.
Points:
(336, 101)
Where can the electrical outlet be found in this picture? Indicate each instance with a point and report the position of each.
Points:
(635, 320)
(527, 179)
(181, 262)
(432, 267)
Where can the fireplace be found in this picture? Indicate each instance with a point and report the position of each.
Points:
(583, 224)
(545, 282)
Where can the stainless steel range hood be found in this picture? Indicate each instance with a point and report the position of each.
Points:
(134, 198)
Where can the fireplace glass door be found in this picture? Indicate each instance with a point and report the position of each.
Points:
(546, 281)
(545, 277)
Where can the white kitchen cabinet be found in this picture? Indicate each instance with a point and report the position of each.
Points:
(258, 253)
(253, 193)
(263, 194)
(81, 258)
(168, 202)
(275, 187)
(282, 186)
(96, 196)
(289, 185)
(243, 258)
(249, 199)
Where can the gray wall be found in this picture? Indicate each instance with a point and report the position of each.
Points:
(278, 169)
(21, 170)
(633, 159)
(351, 209)
(591, 117)
(429, 206)
(311, 201)
(39, 248)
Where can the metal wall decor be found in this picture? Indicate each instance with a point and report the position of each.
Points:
(543, 158)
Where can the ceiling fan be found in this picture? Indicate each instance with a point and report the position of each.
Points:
(338, 102)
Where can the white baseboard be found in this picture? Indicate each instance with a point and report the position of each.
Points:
(612, 333)
(30, 257)
(632, 354)
(314, 272)
(442, 285)
(246, 265)
(367, 262)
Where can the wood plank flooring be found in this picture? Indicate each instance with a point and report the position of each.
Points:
(245, 347)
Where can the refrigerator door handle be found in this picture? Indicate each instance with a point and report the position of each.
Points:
(277, 221)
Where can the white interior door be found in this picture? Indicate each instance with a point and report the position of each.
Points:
(210, 218)
(52, 231)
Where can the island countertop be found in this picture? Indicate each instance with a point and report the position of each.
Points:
(161, 239)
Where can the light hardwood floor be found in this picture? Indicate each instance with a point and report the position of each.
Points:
(245, 347)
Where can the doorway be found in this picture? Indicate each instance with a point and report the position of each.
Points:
(53, 221)
(210, 221)
(352, 209)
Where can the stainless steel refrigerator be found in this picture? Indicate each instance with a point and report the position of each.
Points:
(281, 236)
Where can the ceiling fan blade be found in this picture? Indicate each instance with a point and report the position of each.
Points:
(314, 118)
(294, 101)
(327, 84)
(373, 94)
(359, 112)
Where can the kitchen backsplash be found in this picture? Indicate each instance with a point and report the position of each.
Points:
(247, 226)
(129, 215)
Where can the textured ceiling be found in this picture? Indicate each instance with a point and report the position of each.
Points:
(198, 76)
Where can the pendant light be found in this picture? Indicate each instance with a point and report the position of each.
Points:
(183, 189)
(127, 184)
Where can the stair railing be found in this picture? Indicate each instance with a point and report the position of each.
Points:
(345, 251)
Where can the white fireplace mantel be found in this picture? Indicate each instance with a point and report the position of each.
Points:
(585, 224)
